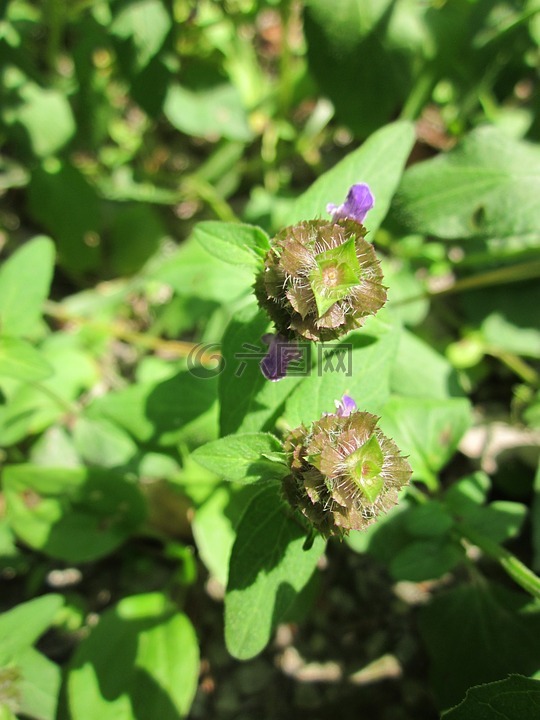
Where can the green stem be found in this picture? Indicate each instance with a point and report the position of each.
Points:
(517, 570)
(54, 18)
(286, 57)
(419, 95)
(500, 276)
(516, 364)
(208, 193)
(178, 348)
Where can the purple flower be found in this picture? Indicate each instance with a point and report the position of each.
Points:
(280, 353)
(345, 406)
(359, 201)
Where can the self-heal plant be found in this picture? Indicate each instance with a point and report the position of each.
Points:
(345, 472)
(321, 278)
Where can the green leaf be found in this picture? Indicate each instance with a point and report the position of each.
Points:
(233, 243)
(30, 409)
(353, 44)
(25, 279)
(214, 526)
(516, 698)
(430, 520)
(500, 520)
(426, 430)
(39, 685)
(268, 568)
(101, 442)
(192, 272)
(248, 402)
(426, 560)
(379, 163)
(20, 360)
(135, 234)
(141, 661)
(490, 618)
(367, 357)
(146, 23)
(24, 624)
(468, 493)
(506, 316)
(212, 111)
(74, 514)
(47, 118)
(160, 413)
(487, 186)
(438, 379)
(239, 458)
(63, 201)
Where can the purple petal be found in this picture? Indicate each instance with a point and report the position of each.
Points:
(359, 200)
(280, 353)
(345, 406)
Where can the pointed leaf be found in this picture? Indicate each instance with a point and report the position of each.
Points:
(379, 163)
(516, 698)
(268, 568)
(25, 279)
(240, 458)
(233, 243)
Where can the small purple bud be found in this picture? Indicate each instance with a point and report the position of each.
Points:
(359, 201)
(345, 406)
(280, 353)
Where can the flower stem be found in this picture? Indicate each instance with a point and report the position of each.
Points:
(517, 570)
(500, 276)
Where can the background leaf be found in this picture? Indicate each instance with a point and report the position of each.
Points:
(75, 515)
(343, 36)
(146, 23)
(474, 190)
(46, 116)
(427, 431)
(192, 272)
(21, 626)
(516, 698)
(490, 618)
(19, 360)
(39, 685)
(25, 279)
(155, 667)
(212, 110)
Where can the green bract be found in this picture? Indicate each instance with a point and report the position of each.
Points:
(344, 472)
(321, 279)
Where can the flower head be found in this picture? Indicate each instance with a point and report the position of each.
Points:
(320, 279)
(344, 471)
(359, 200)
